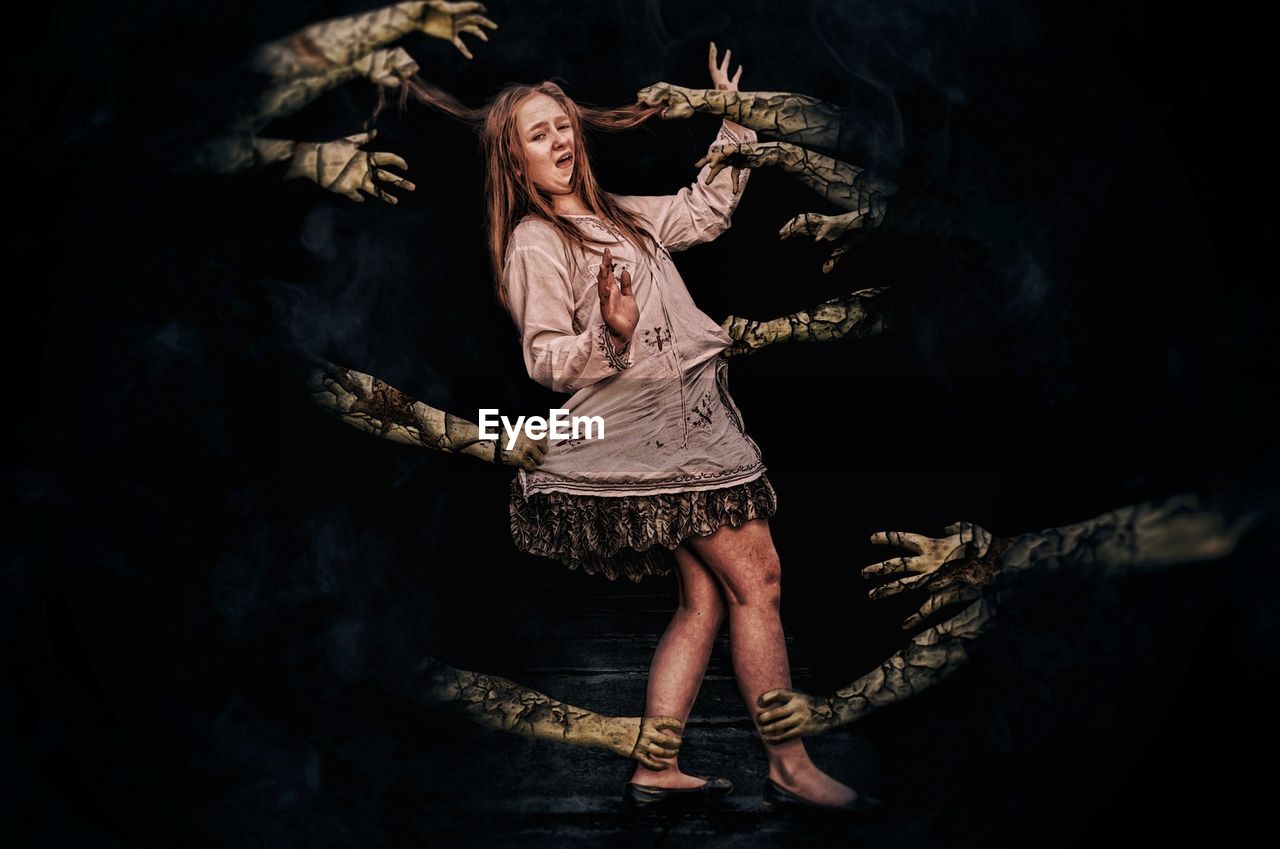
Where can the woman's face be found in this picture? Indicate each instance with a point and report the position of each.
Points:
(547, 142)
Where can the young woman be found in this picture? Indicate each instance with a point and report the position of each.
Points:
(603, 313)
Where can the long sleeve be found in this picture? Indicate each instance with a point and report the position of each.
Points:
(540, 293)
(700, 212)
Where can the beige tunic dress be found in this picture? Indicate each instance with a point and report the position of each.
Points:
(675, 460)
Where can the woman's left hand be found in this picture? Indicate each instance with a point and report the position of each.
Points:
(720, 72)
(722, 81)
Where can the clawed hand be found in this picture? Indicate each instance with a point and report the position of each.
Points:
(791, 714)
(450, 21)
(527, 454)
(952, 569)
(341, 167)
(654, 743)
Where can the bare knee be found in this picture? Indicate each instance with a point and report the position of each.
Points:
(758, 586)
(704, 607)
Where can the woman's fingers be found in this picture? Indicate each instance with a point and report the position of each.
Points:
(626, 282)
(604, 277)
(737, 76)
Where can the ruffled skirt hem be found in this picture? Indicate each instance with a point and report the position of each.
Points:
(630, 535)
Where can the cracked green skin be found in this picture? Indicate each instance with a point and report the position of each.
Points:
(790, 117)
(856, 315)
(244, 148)
(505, 705)
(376, 407)
(318, 58)
(982, 572)
(798, 121)
(844, 185)
(343, 41)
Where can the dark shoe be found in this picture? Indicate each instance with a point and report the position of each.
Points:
(778, 798)
(648, 798)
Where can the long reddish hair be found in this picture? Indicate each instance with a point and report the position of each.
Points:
(510, 194)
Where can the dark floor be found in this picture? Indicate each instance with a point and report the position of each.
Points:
(540, 793)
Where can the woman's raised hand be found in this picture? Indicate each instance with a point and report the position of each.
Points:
(680, 102)
(720, 72)
(617, 301)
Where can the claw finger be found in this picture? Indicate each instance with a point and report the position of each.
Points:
(383, 157)
(771, 696)
(895, 587)
(887, 567)
(787, 725)
(774, 715)
(901, 539)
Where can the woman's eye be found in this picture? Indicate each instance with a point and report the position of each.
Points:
(539, 136)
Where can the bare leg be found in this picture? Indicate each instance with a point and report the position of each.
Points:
(675, 676)
(746, 564)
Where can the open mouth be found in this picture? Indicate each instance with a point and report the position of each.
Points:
(565, 161)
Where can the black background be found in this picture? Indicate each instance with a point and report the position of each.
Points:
(204, 568)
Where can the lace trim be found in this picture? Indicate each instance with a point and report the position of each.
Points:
(630, 535)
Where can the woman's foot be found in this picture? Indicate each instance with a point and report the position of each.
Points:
(813, 785)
